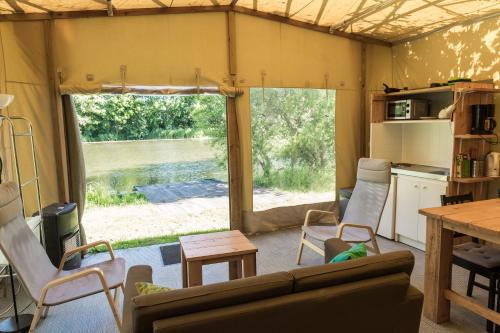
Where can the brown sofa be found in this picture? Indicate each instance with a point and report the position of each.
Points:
(370, 294)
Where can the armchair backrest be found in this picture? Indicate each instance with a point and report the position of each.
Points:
(370, 193)
(20, 245)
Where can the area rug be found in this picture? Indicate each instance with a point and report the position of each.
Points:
(171, 254)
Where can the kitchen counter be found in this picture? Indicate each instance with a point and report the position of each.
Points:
(423, 171)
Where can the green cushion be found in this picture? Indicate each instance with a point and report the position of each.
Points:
(146, 288)
(357, 251)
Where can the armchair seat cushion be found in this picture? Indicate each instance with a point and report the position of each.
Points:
(114, 273)
(323, 233)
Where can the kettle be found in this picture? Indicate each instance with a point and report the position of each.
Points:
(493, 164)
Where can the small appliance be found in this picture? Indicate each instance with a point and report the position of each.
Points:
(406, 109)
(62, 233)
(493, 164)
(483, 121)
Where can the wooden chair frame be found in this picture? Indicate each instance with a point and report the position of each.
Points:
(85, 272)
(303, 241)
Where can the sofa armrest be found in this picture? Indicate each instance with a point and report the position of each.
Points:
(408, 319)
(140, 273)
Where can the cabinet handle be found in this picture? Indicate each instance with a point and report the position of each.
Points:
(415, 186)
(424, 187)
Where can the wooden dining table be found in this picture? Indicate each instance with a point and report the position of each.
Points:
(480, 219)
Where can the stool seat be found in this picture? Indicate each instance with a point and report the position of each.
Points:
(478, 254)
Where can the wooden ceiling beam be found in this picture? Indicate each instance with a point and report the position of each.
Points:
(109, 5)
(15, 6)
(116, 12)
(321, 11)
(34, 5)
(159, 3)
(288, 7)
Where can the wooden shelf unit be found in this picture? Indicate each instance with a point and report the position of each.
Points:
(475, 136)
(419, 121)
(463, 95)
(472, 180)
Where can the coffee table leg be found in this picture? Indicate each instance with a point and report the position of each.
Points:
(249, 265)
(195, 274)
(235, 269)
(184, 270)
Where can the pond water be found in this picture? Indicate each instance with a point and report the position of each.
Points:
(119, 166)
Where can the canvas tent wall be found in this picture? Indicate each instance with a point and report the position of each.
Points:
(190, 49)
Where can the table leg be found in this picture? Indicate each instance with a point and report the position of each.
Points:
(438, 254)
(184, 270)
(195, 274)
(235, 269)
(249, 265)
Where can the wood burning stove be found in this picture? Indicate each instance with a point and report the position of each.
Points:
(62, 233)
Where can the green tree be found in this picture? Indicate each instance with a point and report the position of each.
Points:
(293, 134)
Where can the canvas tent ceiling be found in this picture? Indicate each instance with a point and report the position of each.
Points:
(388, 20)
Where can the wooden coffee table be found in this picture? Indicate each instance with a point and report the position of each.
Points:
(227, 246)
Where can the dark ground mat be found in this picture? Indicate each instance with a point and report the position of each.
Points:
(171, 254)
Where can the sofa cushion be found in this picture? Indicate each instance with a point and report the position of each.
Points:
(149, 308)
(338, 273)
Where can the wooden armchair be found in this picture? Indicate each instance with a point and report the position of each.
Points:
(45, 284)
(363, 212)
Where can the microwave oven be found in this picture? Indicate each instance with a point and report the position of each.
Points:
(406, 109)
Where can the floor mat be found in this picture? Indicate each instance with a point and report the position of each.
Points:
(171, 254)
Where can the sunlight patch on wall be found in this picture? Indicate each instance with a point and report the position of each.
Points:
(490, 38)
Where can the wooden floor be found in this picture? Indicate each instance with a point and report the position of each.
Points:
(276, 253)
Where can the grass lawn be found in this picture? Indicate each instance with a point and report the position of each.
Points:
(140, 242)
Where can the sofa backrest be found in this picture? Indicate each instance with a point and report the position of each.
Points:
(370, 305)
(321, 276)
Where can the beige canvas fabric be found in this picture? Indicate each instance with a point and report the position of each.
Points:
(383, 19)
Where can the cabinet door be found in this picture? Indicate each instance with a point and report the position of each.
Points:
(430, 196)
(407, 197)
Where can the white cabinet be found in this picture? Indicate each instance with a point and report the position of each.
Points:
(413, 194)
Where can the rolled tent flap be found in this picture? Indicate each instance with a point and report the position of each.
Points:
(97, 88)
(76, 163)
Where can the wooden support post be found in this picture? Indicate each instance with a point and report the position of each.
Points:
(362, 104)
(233, 139)
(438, 252)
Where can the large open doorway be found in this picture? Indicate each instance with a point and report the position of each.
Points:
(156, 166)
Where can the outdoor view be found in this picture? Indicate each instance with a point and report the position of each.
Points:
(156, 166)
(293, 133)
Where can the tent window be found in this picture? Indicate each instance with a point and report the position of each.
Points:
(293, 143)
